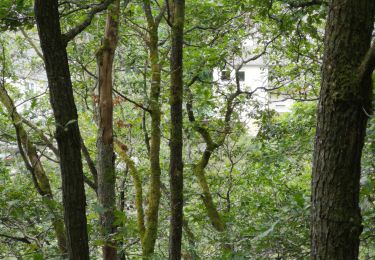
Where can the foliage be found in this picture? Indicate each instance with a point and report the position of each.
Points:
(259, 183)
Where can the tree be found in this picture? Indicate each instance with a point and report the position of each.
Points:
(152, 213)
(177, 10)
(54, 44)
(246, 169)
(33, 164)
(344, 106)
(106, 157)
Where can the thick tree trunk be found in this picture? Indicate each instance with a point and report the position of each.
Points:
(176, 142)
(106, 158)
(67, 130)
(342, 117)
(41, 180)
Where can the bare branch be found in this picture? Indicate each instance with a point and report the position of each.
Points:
(133, 102)
(47, 140)
(91, 165)
(32, 43)
(19, 239)
(28, 165)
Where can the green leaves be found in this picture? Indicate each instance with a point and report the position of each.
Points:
(15, 13)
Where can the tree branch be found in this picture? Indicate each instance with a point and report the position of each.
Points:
(68, 36)
(161, 13)
(148, 13)
(32, 43)
(307, 3)
(131, 101)
(47, 141)
(91, 165)
(28, 165)
(20, 239)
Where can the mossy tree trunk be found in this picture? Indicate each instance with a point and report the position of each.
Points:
(211, 145)
(199, 172)
(152, 211)
(32, 160)
(177, 8)
(122, 150)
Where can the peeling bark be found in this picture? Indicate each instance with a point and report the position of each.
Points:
(106, 157)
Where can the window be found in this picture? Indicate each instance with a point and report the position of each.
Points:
(225, 75)
(30, 85)
(241, 75)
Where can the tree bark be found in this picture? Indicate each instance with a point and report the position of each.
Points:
(152, 212)
(212, 212)
(176, 142)
(137, 180)
(199, 168)
(106, 157)
(345, 101)
(67, 130)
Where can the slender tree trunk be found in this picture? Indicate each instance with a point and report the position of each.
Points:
(199, 168)
(176, 142)
(212, 212)
(106, 158)
(152, 212)
(344, 99)
(148, 242)
(41, 180)
(67, 130)
(137, 180)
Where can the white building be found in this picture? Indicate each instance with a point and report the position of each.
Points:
(253, 76)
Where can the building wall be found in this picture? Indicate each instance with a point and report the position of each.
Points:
(255, 79)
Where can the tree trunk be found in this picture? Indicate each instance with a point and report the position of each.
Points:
(344, 99)
(137, 180)
(148, 242)
(152, 212)
(41, 180)
(176, 142)
(199, 168)
(212, 212)
(67, 130)
(106, 158)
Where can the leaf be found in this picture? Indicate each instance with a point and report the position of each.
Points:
(38, 256)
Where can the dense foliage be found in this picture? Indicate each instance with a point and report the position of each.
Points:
(259, 183)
